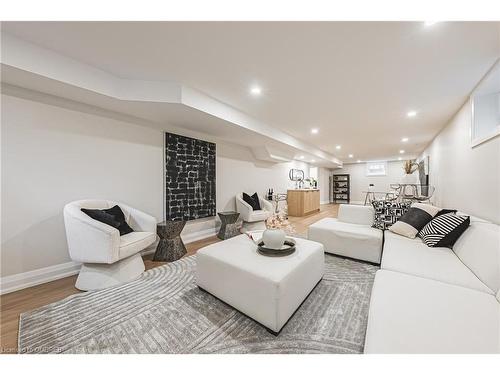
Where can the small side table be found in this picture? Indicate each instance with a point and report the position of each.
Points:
(170, 247)
(228, 227)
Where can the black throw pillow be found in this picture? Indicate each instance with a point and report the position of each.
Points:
(112, 216)
(117, 212)
(253, 201)
(102, 216)
(255, 198)
(444, 230)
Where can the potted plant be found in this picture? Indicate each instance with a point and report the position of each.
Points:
(409, 177)
(313, 184)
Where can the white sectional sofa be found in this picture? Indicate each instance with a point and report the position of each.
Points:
(424, 299)
(437, 300)
(350, 234)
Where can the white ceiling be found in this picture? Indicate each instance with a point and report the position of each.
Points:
(354, 81)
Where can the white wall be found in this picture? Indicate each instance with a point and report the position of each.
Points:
(465, 178)
(53, 155)
(360, 182)
(324, 184)
(237, 171)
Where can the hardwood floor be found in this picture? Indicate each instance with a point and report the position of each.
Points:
(15, 303)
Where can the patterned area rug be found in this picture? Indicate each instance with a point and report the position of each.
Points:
(164, 312)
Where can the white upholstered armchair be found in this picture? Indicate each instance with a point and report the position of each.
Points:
(108, 258)
(251, 216)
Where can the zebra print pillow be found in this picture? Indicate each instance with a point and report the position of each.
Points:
(444, 230)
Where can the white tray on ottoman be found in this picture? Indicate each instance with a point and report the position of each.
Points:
(267, 289)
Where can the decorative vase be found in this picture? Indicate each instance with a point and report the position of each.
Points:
(274, 238)
(409, 179)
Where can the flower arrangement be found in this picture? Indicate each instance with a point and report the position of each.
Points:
(410, 166)
(279, 221)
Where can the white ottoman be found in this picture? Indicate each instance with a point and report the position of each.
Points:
(267, 289)
(351, 234)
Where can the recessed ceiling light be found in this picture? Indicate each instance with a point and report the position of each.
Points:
(255, 90)
(359, 161)
(313, 160)
(411, 114)
(338, 147)
(351, 155)
(301, 157)
(401, 151)
(314, 131)
(400, 158)
(430, 23)
(404, 139)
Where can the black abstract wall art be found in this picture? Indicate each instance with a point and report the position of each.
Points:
(189, 178)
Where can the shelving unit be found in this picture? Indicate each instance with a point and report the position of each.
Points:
(340, 188)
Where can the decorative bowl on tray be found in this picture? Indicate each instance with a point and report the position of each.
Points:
(287, 249)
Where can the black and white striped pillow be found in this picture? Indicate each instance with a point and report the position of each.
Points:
(444, 230)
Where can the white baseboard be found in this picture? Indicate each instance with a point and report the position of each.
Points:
(199, 235)
(44, 275)
(40, 276)
(324, 202)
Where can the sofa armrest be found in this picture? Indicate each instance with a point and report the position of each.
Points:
(356, 214)
(243, 208)
(140, 221)
(89, 240)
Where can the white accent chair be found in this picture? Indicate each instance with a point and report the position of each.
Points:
(253, 219)
(108, 258)
(351, 234)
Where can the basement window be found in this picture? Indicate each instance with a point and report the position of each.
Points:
(485, 104)
(376, 168)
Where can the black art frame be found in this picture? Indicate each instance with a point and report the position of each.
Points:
(189, 178)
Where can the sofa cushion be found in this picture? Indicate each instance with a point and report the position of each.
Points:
(414, 220)
(356, 214)
(134, 242)
(412, 256)
(410, 314)
(258, 215)
(479, 249)
(346, 239)
(444, 230)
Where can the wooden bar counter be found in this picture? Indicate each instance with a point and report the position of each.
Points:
(302, 201)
